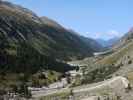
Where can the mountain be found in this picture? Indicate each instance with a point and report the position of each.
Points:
(122, 55)
(107, 43)
(96, 46)
(116, 61)
(91, 43)
(49, 22)
(124, 40)
(73, 39)
(21, 41)
(43, 34)
(29, 41)
(28, 48)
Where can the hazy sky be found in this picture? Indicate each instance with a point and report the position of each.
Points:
(93, 18)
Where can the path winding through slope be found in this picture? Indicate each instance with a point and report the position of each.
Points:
(109, 82)
(117, 81)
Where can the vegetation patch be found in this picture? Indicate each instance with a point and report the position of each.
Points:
(113, 58)
(57, 96)
(100, 73)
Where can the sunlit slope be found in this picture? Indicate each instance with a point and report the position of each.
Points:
(127, 50)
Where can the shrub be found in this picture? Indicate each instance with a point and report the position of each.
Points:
(130, 62)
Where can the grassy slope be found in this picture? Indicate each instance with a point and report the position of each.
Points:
(113, 58)
(24, 49)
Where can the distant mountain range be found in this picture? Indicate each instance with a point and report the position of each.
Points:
(107, 43)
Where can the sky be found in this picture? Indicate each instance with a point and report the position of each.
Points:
(102, 19)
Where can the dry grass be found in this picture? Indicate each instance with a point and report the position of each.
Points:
(58, 96)
(113, 58)
(130, 77)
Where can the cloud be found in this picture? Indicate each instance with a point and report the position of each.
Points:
(104, 35)
(113, 33)
(93, 35)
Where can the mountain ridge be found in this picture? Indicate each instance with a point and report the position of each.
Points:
(23, 33)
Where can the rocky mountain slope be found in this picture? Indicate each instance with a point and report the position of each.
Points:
(122, 56)
(118, 62)
(22, 40)
(123, 46)
(43, 34)
(32, 49)
(25, 38)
